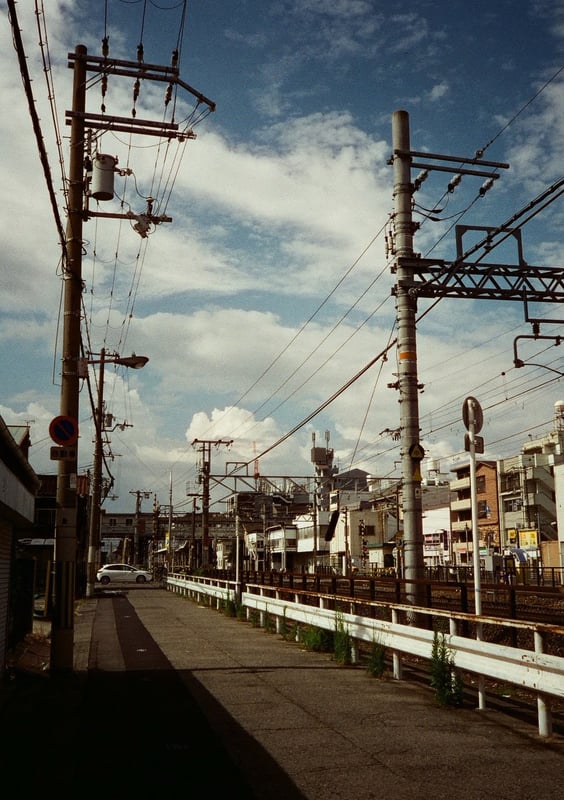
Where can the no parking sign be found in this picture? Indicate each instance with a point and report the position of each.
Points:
(64, 430)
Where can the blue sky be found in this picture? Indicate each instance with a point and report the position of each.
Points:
(271, 288)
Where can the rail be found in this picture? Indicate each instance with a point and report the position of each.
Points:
(406, 630)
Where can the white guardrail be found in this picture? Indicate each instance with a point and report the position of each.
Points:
(532, 670)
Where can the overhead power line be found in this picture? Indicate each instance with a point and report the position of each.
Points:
(19, 47)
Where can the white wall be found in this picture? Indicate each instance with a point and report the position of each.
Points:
(559, 493)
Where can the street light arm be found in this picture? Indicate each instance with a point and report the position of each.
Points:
(133, 361)
(98, 496)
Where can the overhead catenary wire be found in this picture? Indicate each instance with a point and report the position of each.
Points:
(323, 405)
(373, 361)
(479, 154)
(131, 312)
(310, 355)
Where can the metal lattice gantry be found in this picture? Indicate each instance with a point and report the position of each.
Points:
(485, 281)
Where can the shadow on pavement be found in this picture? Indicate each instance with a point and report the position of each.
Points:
(130, 733)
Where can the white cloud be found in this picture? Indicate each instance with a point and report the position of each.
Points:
(439, 91)
(267, 220)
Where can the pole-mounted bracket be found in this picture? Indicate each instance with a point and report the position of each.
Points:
(520, 363)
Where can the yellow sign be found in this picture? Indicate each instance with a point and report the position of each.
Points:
(523, 537)
(528, 537)
(416, 452)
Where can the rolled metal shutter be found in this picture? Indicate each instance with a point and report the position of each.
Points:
(5, 566)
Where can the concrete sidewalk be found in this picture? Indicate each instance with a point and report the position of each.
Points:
(170, 695)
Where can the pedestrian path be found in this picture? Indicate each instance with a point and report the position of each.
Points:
(171, 695)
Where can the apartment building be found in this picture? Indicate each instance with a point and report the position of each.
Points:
(461, 511)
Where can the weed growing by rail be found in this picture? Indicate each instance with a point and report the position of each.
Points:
(445, 679)
(376, 665)
(269, 623)
(318, 639)
(254, 618)
(232, 608)
(343, 642)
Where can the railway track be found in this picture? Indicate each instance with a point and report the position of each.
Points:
(543, 604)
(536, 604)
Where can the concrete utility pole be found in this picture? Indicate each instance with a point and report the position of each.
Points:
(170, 553)
(62, 623)
(205, 472)
(406, 306)
(139, 495)
(96, 497)
(135, 362)
(410, 284)
(62, 627)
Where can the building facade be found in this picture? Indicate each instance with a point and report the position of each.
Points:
(18, 486)
(461, 511)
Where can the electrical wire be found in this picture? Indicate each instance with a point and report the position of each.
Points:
(487, 241)
(136, 280)
(26, 79)
(493, 244)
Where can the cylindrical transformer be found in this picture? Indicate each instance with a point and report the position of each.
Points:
(103, 171)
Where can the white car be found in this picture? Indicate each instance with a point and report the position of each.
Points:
(120, 573)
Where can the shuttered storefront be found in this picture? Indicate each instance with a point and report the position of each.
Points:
(5, 561)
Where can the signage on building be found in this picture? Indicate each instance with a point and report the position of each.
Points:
(523, 537)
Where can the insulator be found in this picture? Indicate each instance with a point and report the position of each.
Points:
(136, 87)
(140, 52)
(419, 179)
(168, 94)
(454, 183)
(486, 186)
(105, 46)
(175, 58)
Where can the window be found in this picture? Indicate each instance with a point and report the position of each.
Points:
(480, 484)
(512, 505)
(484, 511)
(510, 482)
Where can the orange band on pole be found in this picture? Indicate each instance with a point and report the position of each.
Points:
(408, 355)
